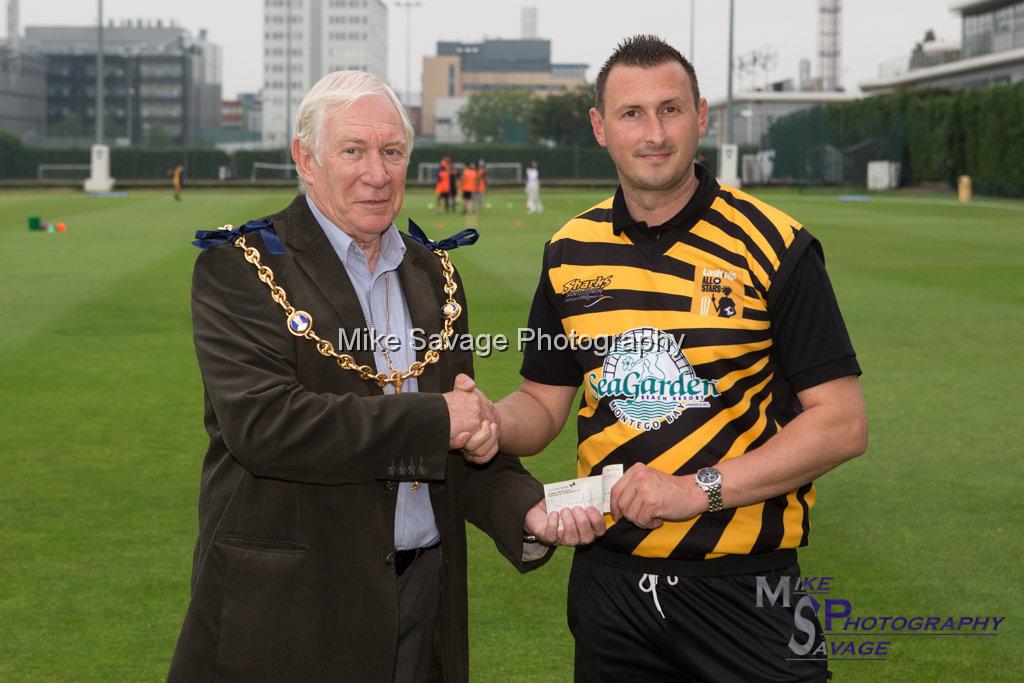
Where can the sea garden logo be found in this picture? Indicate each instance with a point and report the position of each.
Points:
(648, 380)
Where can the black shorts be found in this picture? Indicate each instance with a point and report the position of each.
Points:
(636, 626)
(467, 196)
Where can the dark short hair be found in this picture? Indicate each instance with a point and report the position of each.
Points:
(645, 51)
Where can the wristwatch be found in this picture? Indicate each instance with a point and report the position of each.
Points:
(710, 480)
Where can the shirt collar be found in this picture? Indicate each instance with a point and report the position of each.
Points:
(392, 246)
(707, 188)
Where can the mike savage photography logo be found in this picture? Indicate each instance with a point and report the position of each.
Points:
(829, 628)
(484, 344)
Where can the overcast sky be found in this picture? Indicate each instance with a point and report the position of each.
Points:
(873, 31)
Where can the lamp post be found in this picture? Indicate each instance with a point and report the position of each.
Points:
(693, 22)
(99, 179)
(288, 81)
(728, 80)
(408, 6)
(99, 76)
(728, 152)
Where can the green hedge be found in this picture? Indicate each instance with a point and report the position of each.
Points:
(936, 135)
(992, 125)
(584, 161)
(20, 162)
(244, 159)
(934, 145)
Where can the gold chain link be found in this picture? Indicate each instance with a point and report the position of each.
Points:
(451, 311)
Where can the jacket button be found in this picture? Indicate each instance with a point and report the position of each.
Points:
(389, 485)
(389, 559)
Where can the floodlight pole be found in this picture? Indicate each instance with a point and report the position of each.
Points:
(99, 76)
(99, 179)
(288, 82)
(408, 6)
(728, 93)
(693, 22)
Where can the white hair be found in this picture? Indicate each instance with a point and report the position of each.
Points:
(340, 88)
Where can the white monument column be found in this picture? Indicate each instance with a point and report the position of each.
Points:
(99, 179)
(728, 159)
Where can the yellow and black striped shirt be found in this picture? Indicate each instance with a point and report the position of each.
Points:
(679, 351)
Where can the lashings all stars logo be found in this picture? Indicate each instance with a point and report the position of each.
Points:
(587, 292)
(718, 292)
(648, 380)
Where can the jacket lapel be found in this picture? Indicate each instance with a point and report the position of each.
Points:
(423, 297)
(315, 256)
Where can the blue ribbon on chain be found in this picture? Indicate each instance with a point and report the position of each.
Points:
(206, 239)
(460, 239)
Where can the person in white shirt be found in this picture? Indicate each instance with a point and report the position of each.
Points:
(533, 204)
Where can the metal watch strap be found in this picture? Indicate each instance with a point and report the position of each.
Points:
(712, 490)
(714, 498)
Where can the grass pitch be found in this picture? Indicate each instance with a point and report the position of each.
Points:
(101, 437)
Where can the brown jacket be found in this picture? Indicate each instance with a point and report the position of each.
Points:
(292, 577)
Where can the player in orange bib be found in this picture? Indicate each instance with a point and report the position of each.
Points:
(469, 187)
(443, 188)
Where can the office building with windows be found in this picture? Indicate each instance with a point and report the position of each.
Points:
(161, 84)
(991, 52)
(303, 40)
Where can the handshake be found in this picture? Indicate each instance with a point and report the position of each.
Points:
(475, 422)
(476, 431)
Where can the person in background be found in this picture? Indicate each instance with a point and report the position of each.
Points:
(456, 181)
(469, 187)
(533, 204)
(481, 184)
(443, 188)
(178, 178)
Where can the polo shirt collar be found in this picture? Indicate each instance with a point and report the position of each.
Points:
(703, 196)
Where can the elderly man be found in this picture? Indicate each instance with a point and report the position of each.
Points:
(332, 504)
(729, 385)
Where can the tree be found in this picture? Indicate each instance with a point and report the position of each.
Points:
(70, 127)
(563, 119)
(14, 161)
(156, 136)
(495, 115)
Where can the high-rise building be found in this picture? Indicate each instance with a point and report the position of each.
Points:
(161, 84)
(303, 40)
(528, 18)
(22, 94)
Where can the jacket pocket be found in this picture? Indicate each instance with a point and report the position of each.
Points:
(263, 545)
(268, 612)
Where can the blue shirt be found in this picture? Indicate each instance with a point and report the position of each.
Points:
(415, 526)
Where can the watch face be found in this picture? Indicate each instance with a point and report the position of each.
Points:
(708, 476)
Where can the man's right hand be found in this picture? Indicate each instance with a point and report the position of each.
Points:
(472, 417)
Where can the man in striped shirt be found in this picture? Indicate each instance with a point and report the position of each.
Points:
(726, 384)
